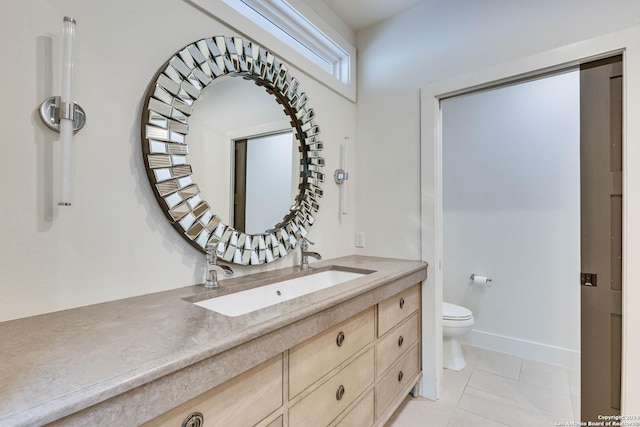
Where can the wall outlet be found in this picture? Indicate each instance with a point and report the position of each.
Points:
(359, 239)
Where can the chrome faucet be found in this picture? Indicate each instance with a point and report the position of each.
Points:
(304, 254)
(212, 264)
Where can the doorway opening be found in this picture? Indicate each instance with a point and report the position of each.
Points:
(511, 212)
(265, 180)
(513, 198)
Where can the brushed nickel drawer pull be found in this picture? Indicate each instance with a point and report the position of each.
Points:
(195, 419)
(340, 392)
(401, 302)
(400, 375)
(400, 341)
(340, 338)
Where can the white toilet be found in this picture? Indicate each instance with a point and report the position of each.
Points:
(456, 322)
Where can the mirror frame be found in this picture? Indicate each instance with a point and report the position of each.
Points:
(170, 101)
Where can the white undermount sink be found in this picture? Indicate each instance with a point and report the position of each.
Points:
(243, 302)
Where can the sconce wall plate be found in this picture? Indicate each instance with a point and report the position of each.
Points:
(340, 176)
(50, 113)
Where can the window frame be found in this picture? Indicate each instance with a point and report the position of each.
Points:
(320, 53)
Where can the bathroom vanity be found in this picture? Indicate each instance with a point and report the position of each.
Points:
(343, 355)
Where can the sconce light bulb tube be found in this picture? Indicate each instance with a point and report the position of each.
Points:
(68, 33)
(66, 110)
(66, 133)
(345, 167)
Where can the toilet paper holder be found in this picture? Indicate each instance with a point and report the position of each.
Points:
(473, 277)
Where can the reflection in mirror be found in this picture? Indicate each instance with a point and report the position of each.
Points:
(232, 110)
(165, 124)
(266, 180)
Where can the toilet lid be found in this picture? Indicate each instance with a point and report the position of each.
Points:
(455, 312)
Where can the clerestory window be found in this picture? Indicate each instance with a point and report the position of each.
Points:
(331, 59)
(290, 26)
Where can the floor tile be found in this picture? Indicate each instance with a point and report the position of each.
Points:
(471, 355)
(463, 418)
(545, 375)
(505, 411)
(574, 381)
(531, 396)
(501, 364)
(497, 390)
(453, 385)
(576, 407)
(422, 412)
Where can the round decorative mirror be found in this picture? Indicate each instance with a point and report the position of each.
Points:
(176, 92)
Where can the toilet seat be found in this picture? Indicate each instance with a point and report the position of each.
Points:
(455, 312)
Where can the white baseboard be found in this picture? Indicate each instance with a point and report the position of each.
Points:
(526, 349)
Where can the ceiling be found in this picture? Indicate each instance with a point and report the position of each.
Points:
(360, 14)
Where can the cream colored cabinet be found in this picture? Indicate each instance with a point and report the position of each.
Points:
(350, 375)
(392, 345)
(396, 308)
(354, 374)
(331, 371)
(361, 415)
(242, 401)
(397, 350)
(331, 398)
(316, 357)
(276, 423)
(401, 375)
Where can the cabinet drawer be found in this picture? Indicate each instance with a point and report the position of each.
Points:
(276, 423)
(326, 402)
(396, 342)
(396, 379)
(392, 310)
(228, 405)
(317, 356)
(360, 415)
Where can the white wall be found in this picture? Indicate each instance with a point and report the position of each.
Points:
(114, 241)
(511, 211)
(430, 42)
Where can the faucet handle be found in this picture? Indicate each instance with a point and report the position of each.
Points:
(212, 252)
(304, 244)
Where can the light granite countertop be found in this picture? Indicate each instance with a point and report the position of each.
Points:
(56, 364)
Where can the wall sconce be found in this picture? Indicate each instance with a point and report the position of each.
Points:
(341, 175)
(63, 115)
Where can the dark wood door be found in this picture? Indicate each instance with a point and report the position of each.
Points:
(240, 185)
(601, 236)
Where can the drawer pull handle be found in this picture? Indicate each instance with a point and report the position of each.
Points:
(400, 375)
(195, 419)
(400, 341)
(401, 302)
(340, 339)
(340, 392)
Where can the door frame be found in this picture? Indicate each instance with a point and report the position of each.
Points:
(625, 42)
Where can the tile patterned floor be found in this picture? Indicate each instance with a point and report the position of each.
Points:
(497, 390)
